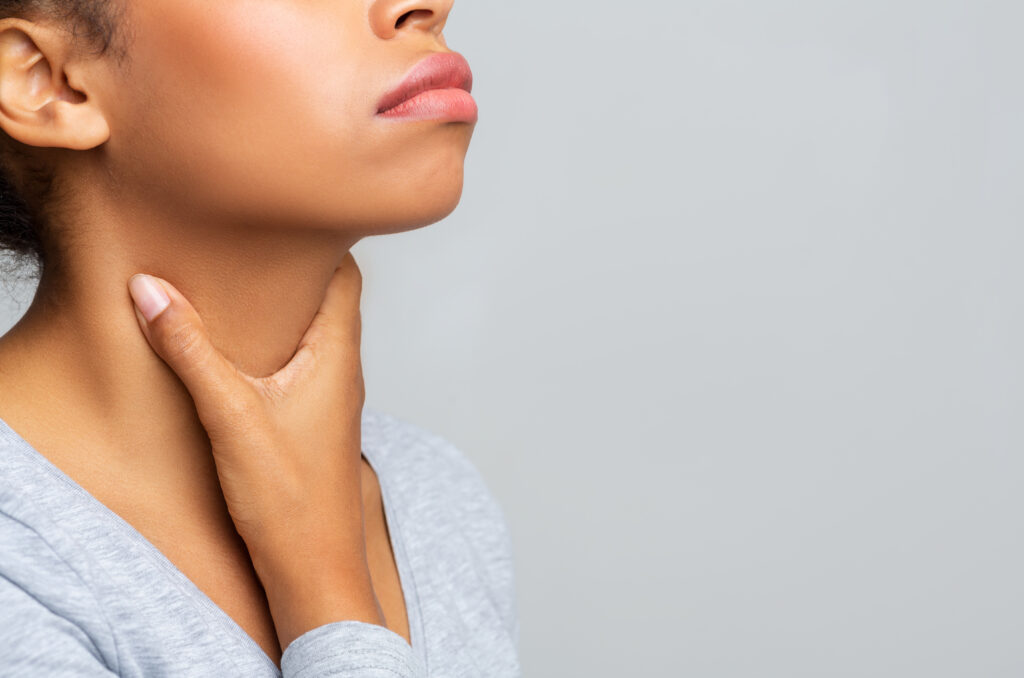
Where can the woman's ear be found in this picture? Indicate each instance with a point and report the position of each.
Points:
(38, 105)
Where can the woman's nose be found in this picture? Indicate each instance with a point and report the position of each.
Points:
(390, 17)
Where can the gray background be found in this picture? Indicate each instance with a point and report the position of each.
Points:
(729, 317)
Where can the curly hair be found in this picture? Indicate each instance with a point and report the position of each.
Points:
(26, 180)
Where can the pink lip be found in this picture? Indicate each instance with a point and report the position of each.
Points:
(437, 86)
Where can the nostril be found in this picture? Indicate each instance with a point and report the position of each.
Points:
(401, 19)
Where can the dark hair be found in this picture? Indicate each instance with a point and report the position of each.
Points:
(96, 24)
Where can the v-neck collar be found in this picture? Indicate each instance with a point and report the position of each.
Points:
(196, 594)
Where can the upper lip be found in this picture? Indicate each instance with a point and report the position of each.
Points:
(440, 70)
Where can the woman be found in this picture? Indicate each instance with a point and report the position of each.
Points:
(189, 483)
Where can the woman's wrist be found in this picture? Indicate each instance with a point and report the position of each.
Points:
(305, 594)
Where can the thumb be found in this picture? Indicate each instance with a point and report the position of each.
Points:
(338, 321)
(177, 334)
(331, 343)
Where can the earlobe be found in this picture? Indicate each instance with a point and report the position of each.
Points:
(37, 105)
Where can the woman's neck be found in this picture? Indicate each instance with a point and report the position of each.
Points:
(77, 372)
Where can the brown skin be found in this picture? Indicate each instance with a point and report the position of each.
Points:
(287, 452)
(236, 157)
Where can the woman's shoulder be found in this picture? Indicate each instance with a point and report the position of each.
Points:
(50, 620)
(39, 558)
(427, 467)
(448, 507)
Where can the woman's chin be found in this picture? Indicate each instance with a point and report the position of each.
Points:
(410, 217)
(418, 206)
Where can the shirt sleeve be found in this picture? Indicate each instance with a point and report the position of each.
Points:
(36, 641)
(353, 649)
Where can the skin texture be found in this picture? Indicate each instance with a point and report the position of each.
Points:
(236, 156)
(287, 449)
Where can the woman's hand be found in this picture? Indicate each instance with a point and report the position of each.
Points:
(287, 447)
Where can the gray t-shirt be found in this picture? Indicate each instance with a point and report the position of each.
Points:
(83, 593)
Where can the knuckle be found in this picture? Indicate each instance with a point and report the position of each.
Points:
(183, 341)
(235, 417)
(352, 380)
(238, 409)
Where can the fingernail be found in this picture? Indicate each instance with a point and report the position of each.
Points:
(148, 295)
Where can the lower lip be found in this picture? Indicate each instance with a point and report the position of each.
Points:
(444, 104)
